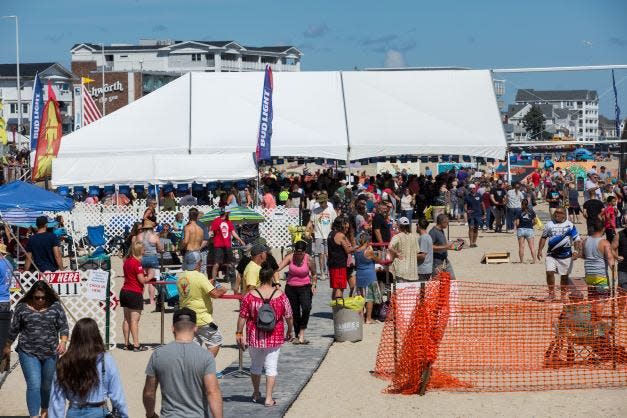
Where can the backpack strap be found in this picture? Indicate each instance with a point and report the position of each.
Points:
(263, 299)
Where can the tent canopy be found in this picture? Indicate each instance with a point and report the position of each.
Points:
(21, 195)
(339, 115)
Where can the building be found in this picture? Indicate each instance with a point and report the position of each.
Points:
(499, 92)
(131, 71)
(59, 77)
(585, 104)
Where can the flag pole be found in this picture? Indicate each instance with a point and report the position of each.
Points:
(103, 78)
(348, 138)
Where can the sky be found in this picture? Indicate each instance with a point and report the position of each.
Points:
(349, 34)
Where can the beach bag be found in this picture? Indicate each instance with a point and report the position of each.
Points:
(266, 317)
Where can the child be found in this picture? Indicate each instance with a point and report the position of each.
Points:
(609, 218)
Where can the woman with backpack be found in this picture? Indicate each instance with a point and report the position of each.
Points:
(263, 310)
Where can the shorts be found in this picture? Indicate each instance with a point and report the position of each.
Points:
(264, 358)
(574, 210)
(223, 255)
(561, 266)
(524, 233)
(338, 277)
(320, 246)
(372, 292)
(622, 280)
(610, 234)
(474, 222)
(209, 336)
(131, 300)
(150, 262)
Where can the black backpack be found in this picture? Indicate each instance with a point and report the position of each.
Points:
(266, 317)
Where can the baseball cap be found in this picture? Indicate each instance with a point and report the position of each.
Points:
(258, 249)
(499, 182)
(403, 221)
(184, 314)
(472, 186)
(191, 259)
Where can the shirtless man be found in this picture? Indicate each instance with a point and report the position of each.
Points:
(194, 236)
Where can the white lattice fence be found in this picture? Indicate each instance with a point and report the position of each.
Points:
(78, 306)
(274, 228)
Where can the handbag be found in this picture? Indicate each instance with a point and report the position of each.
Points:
(114, 411)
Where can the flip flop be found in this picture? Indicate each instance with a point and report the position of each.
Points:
(296, 341)
(256, 399)
(304, 342)
(271, 404)
(127, 347)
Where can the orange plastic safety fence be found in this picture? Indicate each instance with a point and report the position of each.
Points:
(497, 337)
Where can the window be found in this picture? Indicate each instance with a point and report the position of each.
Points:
(109, 58)
(196, 57)
(209, 57)
(25, 108)
(123, 56)
(13, 107)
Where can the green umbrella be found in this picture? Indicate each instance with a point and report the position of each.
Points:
(238, 214)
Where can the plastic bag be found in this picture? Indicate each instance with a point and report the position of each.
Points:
(538, 224)
(355, 303)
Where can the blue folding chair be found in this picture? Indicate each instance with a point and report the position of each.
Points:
(97, 239)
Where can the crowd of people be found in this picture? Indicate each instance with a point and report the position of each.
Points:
(353, 233)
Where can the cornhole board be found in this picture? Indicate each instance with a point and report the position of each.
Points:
(495, 258)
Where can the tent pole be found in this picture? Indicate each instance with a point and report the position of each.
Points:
(189, 134)
(509, 172)
(348, 139)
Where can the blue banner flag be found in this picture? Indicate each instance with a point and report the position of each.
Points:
(37, 107)
(616, 108)
(265, 121)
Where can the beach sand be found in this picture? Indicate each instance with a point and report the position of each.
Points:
(343, 386)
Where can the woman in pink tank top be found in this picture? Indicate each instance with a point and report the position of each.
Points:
(300, 287)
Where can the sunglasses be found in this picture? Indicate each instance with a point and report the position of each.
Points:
(39, 297)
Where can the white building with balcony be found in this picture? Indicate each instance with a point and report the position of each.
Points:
(183, 56)
(584, 103)
(59, 77)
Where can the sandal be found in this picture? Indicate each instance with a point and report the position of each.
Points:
(303, 342)
(256, 399)
(140, 348)
(295, 341)
(271, 404)
(127, 347)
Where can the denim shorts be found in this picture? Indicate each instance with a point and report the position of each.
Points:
(524, 233)
(150, 262)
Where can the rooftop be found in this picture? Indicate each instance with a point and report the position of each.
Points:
(149, 44)
(531, 95)
(26, 69)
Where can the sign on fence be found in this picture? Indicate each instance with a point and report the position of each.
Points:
(65, 283)
(97, 285)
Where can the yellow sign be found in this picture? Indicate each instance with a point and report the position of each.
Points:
(86, 80)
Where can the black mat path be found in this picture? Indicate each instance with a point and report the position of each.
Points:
(297, 363)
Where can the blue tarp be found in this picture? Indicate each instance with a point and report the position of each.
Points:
(19, 194)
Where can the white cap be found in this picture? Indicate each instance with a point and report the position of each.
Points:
(472, 186)
(404, 221)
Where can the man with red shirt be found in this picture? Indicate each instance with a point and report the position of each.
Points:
(222, 230)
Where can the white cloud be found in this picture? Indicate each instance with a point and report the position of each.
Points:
(394, 59)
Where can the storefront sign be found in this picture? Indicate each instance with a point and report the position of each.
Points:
(107, 88)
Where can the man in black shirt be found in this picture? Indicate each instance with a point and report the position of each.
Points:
(499, 200)
(592, 209)
(380, 227)
(43, 250)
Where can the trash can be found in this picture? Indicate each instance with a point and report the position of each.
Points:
(348, 324)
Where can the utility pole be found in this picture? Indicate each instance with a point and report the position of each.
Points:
(17, 63)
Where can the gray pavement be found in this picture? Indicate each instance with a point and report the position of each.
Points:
(297, 363)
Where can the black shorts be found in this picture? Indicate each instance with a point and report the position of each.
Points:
(610, 234)
(131, 300)
(574, 210)
(223, 255)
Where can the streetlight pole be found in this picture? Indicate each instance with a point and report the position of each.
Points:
(17, 63)
(103, 78)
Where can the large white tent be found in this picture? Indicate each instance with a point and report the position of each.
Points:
(195, 121)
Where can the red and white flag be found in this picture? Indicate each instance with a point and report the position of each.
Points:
(91, 112)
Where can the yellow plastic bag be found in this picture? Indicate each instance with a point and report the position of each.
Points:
(355, 303)
(538, 224)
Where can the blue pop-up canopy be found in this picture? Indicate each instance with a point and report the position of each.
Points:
(22, 195)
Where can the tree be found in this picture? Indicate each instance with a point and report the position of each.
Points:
(534, 123)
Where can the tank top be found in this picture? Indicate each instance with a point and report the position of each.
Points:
(299, 275)
(365, 269)
(149, 247)
(337, 255)
(595, 264)
(622, 250)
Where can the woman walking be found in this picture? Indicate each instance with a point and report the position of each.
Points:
(264, 346)
(86, 376)
(300, 287)
(42, 326)
(524, 230)
(367, 285)
(152, 248)
(407, 204)
(132, 296)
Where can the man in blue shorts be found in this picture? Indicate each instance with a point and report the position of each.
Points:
(475, 211)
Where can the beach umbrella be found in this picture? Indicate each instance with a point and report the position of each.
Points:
(24, 218)
(239, 214)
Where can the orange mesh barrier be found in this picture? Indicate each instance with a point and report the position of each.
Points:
(497, 337)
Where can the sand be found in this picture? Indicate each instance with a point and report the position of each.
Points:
(342, 386)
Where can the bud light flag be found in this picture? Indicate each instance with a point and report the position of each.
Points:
(265, 121)
(37, 106)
